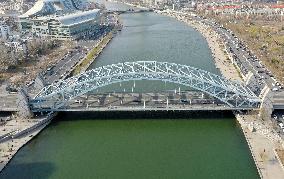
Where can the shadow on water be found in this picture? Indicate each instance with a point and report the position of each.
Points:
(136, 115)
(31, 170)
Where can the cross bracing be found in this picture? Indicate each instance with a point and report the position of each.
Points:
(231, 93)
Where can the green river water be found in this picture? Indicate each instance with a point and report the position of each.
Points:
(119, 146)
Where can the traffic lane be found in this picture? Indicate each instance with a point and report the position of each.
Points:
(116, 102)
(65, 67)
(132, 99)
(256, 64)
(242, 54)
(233, 42)
(66, 62)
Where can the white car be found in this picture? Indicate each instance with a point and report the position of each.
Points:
(274, 116)
(78, 101)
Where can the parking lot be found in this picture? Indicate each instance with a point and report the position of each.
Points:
(245, 59)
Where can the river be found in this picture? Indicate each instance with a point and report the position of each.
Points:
(154, 37)
(135, 146)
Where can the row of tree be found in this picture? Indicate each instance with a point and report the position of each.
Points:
(10, 58)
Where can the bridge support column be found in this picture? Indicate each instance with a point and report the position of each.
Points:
(39, 82)
(250, 79)
(266, 107)
(23, 104)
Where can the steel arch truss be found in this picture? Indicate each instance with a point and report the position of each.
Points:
(232, 93)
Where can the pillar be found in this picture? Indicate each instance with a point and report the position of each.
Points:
(266, 107)
(23, 104)
(39, 82)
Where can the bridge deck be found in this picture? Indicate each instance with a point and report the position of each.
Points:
(175, 101)
(151, 108)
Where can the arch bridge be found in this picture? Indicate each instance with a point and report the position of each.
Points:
(231, 93)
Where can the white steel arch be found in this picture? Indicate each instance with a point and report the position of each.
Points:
(232, 93)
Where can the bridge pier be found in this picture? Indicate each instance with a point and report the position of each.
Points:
(250, 79)
(39, 82)
(23, 104)
(266, 107)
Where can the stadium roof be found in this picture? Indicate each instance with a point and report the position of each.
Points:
(43, 7)
(79, 17)
(39, 5)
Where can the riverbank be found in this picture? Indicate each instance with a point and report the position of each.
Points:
(223, 60)
(16, 133)
(262, 141)
(84, 64)
(179, 147)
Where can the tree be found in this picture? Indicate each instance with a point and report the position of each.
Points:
(6, 59)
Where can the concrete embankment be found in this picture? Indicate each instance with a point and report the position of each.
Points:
(262, 140)
(19, 133)
(262, 143)
(223, 60)
(84, 64)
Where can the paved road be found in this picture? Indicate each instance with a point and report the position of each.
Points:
(60, 70)
(144, 101)
(245, 59)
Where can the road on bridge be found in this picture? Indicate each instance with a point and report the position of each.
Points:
(190, 100)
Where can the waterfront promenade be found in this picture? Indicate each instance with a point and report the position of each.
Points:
(222, 59)
(15, 133)
(262, 141)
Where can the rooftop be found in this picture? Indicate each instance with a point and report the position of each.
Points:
(78, 17)
(42, 7)
(74, 18)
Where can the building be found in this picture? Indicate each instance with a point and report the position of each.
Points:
(48, 7)
(60, 19)
(4, 31)
(71, 26)
(45, 7)
(17, 46)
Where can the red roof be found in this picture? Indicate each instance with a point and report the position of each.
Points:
(224, 7)
(278, 6)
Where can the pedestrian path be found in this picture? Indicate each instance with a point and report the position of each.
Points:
(262, 143)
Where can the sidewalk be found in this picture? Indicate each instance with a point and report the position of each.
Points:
(262, 142)
(23, 130)
(223, 60)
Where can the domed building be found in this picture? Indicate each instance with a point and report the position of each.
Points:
(60, 19)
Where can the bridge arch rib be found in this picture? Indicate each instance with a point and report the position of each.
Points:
(232, 93)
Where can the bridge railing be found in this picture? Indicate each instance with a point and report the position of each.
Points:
(232, 93)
